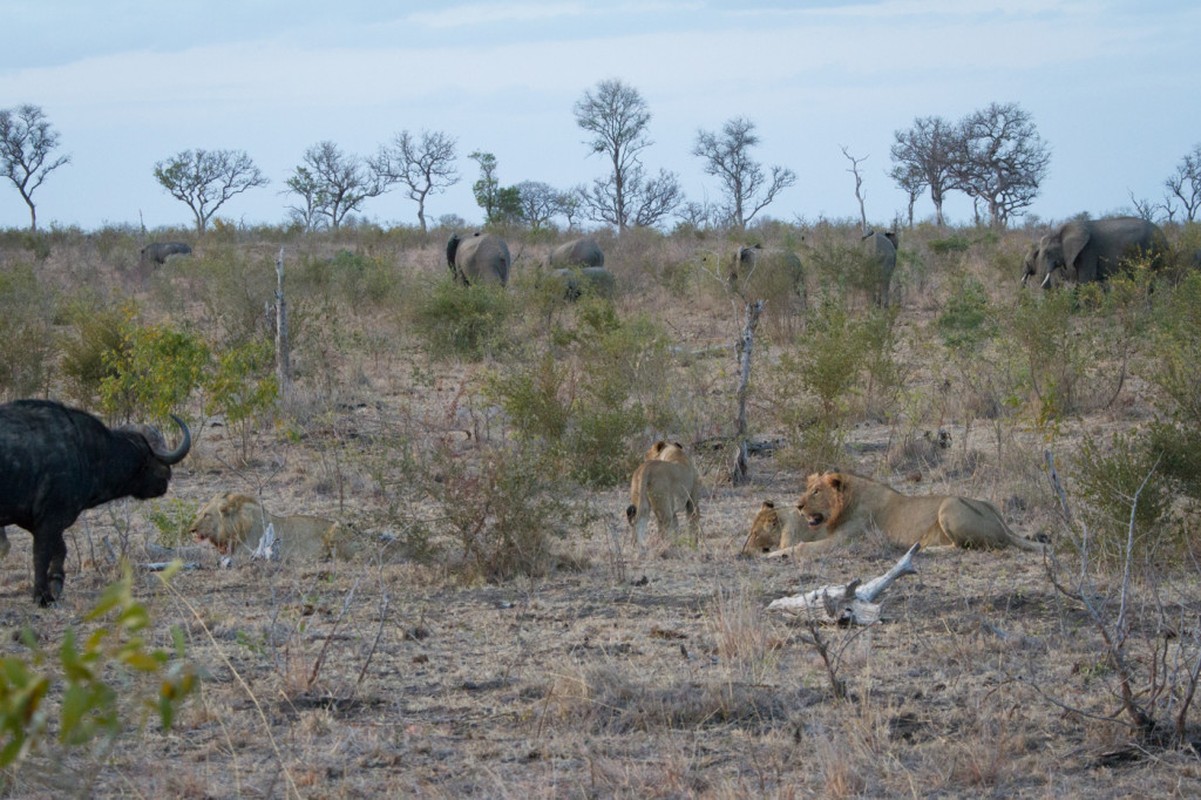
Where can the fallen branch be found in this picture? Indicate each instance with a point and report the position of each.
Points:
(848, 604)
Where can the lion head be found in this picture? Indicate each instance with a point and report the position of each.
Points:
(765, 530)
(824, 500)
(226, 520)
(667, 451)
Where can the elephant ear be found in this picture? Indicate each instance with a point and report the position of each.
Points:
(1075, 239)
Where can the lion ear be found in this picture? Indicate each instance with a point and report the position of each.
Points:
(767, 504)
(835, 481)
(658, 446)
(677, 444)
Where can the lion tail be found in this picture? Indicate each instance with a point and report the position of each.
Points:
(631, 513)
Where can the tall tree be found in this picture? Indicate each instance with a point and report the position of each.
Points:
(501, 204)
(26, 144)
(424, 166)
(1185, 183)
(333, 183)
(748, 189)
(616, 116)
(1002, 160)
(205, 179)
(924, 156)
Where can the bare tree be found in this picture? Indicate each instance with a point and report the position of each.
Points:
(333, 184)
(571, 204)
(425, 166)
(859, 195)
(539, 203)
(205, 179)
(1185, 183)
(616, 116)
(924, 156)
(26, 144)
(748, 189)
(1001, 160)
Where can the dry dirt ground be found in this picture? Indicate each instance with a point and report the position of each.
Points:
(618, 674)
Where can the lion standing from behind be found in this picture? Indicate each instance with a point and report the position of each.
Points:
(777, 527)
(664, 484)
(847, 506)
(233, 522)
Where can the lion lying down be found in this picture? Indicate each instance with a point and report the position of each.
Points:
(844, 507)
(664, 484)
(235, 522)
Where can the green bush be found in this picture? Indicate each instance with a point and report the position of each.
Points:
(96, 687)
(965, 322)
(469, 322)
(241, 385)
(153, 373)
(590, 392)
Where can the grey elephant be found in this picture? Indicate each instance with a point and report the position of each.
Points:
(583, 252)
(578, 280)
(157, 252)
(882, 248)
(480, 258)
(763, 273)
(1083, 251)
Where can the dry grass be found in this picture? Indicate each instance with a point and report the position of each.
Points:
(604, 674)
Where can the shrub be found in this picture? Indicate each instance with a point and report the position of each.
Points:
(590, 391)
(153, 372)
(1107, 476)
(96, 334)
(241, 385)
(27, 350)
(100, 685)
(470, 322)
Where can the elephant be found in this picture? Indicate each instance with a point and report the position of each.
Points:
(1084, 251)
(577, 280)
(584, 252)
(157, 252)
(766, 274)
(481, 258)
(882, 248)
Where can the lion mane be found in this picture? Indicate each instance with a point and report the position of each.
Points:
(234, 522)
(846, 507)
(663, 485)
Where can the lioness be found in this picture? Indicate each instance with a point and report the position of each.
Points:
(776, 527)
(846, 506)
(234, 521)
(664, 484)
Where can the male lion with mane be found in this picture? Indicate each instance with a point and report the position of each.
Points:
(664, 484)
(235, 522)
(847, 506)
(777, 527)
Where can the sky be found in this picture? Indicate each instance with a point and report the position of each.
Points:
(1112, 86)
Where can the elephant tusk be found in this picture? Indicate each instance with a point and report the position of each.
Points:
(1046, 281)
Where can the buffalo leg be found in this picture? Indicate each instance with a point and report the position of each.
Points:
(49, 557)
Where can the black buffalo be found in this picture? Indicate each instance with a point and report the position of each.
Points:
(56, 462)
